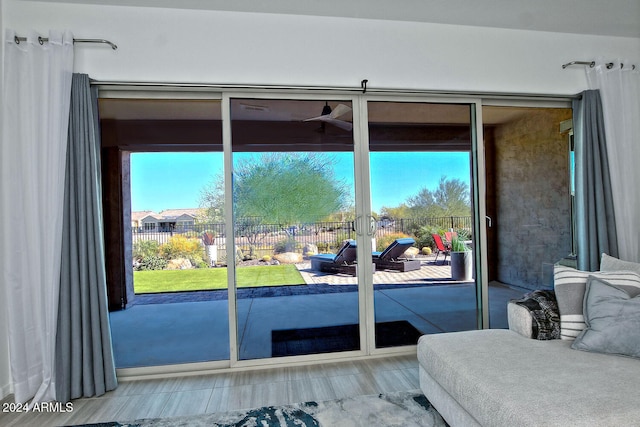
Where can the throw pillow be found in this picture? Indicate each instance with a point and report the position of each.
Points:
(570, 286)
(612, 317)
(609, 263)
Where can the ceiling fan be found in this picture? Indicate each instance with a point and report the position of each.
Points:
(331, 116)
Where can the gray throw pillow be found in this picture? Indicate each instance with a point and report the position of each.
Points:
(609, 263)
(570, 285)
(612, 316)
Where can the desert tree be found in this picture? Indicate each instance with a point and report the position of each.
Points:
(280, 189)
(450, 198)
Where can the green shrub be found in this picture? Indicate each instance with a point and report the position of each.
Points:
(180, 246)
(323, 247)
(287, 244)
(464, 234)
(424, 236)
(252, 253)
(239, 256)
(413, 228)
(197, 260)
(145, 248)
(151, 262)
(200, 264)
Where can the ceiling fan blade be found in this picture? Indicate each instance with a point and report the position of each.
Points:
(340, 110)
(335, 122)
(331, 118)
(315, 119)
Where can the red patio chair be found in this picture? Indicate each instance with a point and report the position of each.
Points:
(440, 248)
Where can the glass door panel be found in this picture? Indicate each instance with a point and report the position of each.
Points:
(178, 308)
(420, 175)
(525, 144)
(293, 210)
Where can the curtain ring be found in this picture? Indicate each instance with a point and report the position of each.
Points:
(363, 85)
(609, 65)
(16, 39)
(40, 40)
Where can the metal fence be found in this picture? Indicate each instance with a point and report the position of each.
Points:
(326, 235)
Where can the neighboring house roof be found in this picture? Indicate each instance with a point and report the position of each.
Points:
(177, 213)
(137, 216)
(151, 218)
(167, 214)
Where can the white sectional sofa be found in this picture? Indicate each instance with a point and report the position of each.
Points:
(506, 378)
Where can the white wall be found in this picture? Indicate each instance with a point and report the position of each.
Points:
(171, 45)
(227, 47)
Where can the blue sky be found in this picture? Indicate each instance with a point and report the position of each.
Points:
(174, 180)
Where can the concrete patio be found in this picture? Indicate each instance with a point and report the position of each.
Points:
(196, 331)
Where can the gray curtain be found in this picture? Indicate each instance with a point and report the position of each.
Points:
(84, 356)
(595, 220)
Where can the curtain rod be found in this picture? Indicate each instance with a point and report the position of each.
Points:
(204, 87)
(42, 40)
(592, 64)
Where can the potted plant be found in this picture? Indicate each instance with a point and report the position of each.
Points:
(208, 239)
(461, 260)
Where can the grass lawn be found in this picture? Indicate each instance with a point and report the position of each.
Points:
(199, 279)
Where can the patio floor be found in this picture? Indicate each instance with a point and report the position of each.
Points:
(193, 327)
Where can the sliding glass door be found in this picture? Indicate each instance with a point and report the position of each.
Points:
(162, 165)
(351, 238)
(420, 157)
(321, 216)
(294, 227)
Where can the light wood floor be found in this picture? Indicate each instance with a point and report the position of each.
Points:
(226, 391)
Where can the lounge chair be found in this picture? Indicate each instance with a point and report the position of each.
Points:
(448, 238)
(344, 261)
(392, 257)
(440, 248)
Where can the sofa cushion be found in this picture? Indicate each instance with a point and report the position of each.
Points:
(503, 379)
(570, 285)
(609, 263)
(612, 317)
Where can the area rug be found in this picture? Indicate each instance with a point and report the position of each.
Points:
(401, 409)
(295, 342)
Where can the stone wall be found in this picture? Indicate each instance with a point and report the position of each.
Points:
(532, 200)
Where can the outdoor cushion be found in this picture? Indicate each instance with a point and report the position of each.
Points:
(392, 257)
(345, 255)
(395, 249)
(344, 261)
